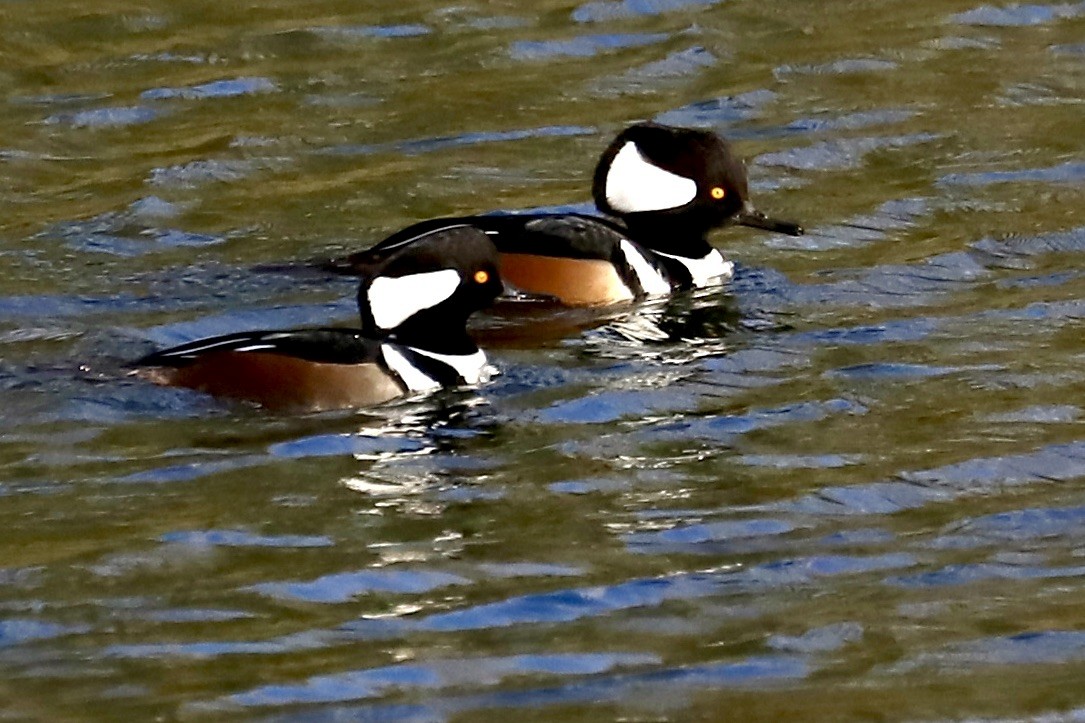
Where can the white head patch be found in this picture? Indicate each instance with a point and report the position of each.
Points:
(634, 184)
(394, 299)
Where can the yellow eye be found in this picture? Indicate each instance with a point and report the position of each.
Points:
(481, 277)
(717, 192)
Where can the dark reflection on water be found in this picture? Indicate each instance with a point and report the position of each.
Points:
(846, 483)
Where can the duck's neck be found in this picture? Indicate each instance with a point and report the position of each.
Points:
(682, 248)
(437, 333)
(669, 235)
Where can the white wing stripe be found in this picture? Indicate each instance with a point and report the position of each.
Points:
(254, 347)
(227, 344)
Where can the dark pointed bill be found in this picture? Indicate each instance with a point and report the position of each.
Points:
(755, 219)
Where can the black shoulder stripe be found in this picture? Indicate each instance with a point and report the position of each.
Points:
(435, 369)
(677, 273)
(672, 272)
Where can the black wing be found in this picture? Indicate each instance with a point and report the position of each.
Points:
(327, 346)
(561, 235)
(576, 236)
(364, 263)
(565, 235)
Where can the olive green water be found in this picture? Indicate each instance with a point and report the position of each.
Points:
(848, 486)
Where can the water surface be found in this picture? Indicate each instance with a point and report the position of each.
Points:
(848, 485)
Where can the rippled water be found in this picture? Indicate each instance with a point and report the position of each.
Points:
(847, 486)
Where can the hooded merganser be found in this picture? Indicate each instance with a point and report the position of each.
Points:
(667, 186)
(414, 305)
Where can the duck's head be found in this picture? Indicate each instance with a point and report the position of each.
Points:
(681, 179)
(424, 291)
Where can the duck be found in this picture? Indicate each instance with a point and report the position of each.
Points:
(662, 188)
(414, 302)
